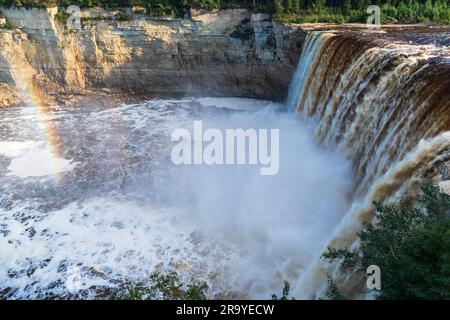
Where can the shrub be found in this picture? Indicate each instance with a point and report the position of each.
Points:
(162, 287)
(203, 4)
(294, 11)
(285, 295)
(62, 16)
(411, 245)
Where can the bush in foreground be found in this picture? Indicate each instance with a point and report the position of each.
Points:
(162, 287)
(411, 245)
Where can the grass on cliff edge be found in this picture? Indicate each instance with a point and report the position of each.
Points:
(284, 11)
(405, 12)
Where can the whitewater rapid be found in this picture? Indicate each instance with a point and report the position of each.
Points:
(99, 202)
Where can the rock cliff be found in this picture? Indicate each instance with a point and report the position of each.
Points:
(231, 52)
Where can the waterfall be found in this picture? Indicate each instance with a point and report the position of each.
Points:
(313, 42)
(387, 107)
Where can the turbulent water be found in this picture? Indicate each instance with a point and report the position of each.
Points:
(89, 197)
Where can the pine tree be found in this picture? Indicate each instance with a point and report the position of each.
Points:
(318, 5)
(296, 6)
(279, 8)
(289, 6)
(346, 5)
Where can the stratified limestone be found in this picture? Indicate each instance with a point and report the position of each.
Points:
(232, 52)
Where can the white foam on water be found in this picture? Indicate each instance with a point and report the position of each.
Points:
(241, 232)
(14, 148)
(32, 159)
(95, 239)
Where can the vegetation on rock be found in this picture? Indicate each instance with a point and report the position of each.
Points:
(286, 11)
(162, 287)
(285, 295)
(411, 245)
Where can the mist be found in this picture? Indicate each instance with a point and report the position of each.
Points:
(121, 210)
(278, 223)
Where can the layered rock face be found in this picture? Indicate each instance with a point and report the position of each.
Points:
(232, 52)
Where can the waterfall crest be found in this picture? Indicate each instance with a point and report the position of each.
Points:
(387, 107)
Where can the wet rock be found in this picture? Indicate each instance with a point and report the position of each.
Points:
(7, 293)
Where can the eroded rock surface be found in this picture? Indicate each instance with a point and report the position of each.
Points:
(232, 52)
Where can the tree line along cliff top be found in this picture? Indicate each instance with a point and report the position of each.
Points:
(287, 11)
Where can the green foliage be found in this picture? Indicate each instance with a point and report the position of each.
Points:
(263, 8)
(285, 294)
(285, 11)
(62, 16)
(348, 11)
(29, 3)
(162, 287)
(347, 258)
(346, 6)
(413, 11)
(318, 6)
(161, 7)
(326, 15)
(9, 26)
(411, 245)
(333, 292)
(203, 4)
(279, 8)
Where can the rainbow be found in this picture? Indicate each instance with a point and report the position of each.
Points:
(33, 98)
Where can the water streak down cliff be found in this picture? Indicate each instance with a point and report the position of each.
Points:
(386, 105)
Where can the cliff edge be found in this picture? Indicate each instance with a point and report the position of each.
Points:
(230, 52)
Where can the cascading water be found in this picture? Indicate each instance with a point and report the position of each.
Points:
(309, 57)
(118, 209)
(387, 107)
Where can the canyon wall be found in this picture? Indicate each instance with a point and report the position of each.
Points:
(232, 52)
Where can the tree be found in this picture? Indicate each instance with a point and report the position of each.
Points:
(162, 286)
(279, 8)
(346, 5)
(318, 5)
(296, 6)
(288, 6)
(411, 245)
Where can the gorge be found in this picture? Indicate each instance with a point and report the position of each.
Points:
(364, 116)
